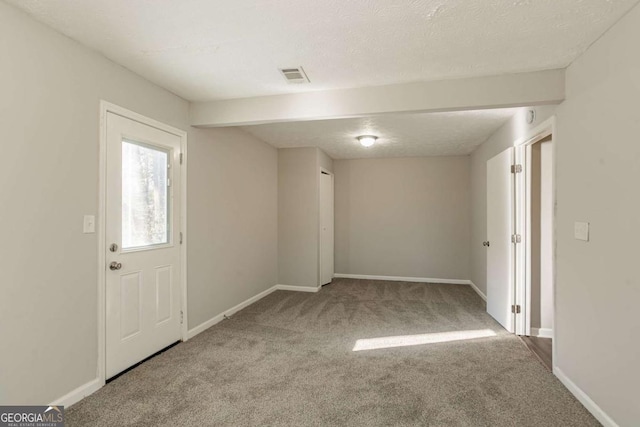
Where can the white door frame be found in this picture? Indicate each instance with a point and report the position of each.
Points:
(106, 107)
(523, 224)
(328, 172)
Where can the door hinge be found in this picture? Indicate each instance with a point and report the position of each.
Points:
(181, 237)
(181, 317)
(515, 309)
(516, 238)
(168, 182)
(180, 158)
(516, 168)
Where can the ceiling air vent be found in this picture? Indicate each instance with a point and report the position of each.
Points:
(294, 75)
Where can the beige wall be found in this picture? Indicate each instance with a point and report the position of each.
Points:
(536, 234)
(233, 220)
(510, 132)
(547, 240)
(403, 217)
(49, 111)
(598, 172)
(299, 214)
(324, 161)
(297, 217)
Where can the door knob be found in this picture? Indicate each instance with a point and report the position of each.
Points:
(115, 266)
(485, 243)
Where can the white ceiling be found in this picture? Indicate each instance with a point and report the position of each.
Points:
(400, 135)
(205, 50)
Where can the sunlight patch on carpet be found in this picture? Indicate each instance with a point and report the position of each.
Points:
(409, 340)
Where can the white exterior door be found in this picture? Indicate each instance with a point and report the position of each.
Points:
(326, 228)
(500, 228)
(142, 232)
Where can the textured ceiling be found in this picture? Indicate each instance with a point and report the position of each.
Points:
(204, 50)
(400, 135)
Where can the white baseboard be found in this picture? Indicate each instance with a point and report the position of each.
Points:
(92, 386)
(404, 279)
(297, 288)
(217, 319)
(78, 394)
(415, 279)
(542, 332)
(586, 401)
(478, 291)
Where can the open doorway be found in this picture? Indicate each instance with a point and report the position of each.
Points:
(326, 251)
(539, 302)
(520, 240)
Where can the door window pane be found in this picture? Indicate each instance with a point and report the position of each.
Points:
(145, 195)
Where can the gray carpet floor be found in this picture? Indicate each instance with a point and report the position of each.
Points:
(288, 360)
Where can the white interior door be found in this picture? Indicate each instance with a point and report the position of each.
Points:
(142, 230)
(326, 228)
(500, 226)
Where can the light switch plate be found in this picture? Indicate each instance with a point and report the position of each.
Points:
(581, 231)
(89, 224)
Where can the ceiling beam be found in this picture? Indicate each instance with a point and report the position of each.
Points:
(508, 90)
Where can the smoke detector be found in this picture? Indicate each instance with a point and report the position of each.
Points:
(294, 75)
(531, 116)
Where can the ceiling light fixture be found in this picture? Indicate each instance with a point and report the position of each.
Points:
(367, 140)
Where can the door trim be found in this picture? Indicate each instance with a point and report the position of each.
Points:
(320, 172)
(523, 221)
(105, 108)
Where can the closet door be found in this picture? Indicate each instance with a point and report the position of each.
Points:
(326, 227)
